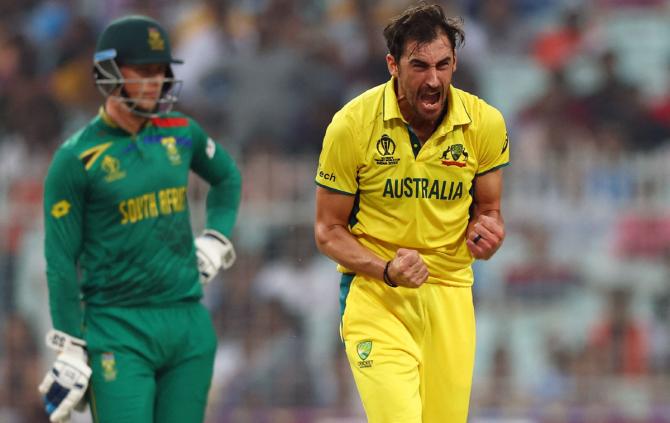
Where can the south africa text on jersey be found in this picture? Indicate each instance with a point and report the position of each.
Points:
(153, 204)
(423, 188)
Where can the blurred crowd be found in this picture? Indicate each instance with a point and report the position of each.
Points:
(573, 313)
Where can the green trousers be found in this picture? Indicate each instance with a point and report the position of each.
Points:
(150, 364)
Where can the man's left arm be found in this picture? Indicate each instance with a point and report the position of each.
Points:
(486, 229)
(212, 162)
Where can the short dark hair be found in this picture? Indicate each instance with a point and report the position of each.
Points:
(422, 23)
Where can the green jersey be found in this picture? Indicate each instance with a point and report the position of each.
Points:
(117, 224)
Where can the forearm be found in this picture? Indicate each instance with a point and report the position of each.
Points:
(338, 243)
(65, 303)
(223, 201)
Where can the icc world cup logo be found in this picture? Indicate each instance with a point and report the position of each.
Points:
(385, 146)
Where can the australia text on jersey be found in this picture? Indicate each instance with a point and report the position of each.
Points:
(423, 188)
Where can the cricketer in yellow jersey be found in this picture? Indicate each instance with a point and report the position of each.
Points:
(409, 187)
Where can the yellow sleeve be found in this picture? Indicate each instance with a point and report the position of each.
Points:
(492, 142)
(339, 159)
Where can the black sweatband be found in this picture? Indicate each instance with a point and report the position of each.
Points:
(387, 279)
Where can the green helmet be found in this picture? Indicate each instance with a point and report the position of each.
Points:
(134, 40)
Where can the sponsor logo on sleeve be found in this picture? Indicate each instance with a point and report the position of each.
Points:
(60, 209)
(327, 176)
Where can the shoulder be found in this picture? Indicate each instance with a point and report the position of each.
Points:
(364, 108)
(82, 140)
(482, 114)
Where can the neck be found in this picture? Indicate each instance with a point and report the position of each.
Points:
(123, 117)
(423, 128)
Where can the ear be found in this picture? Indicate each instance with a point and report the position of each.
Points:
(392, 65)
(455, 61)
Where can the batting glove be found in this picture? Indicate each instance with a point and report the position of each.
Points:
(64, 386)
(214, 252)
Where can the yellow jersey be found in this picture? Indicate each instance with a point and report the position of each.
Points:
(409, 195)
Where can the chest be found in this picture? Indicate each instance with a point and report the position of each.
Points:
(143, 165)
(395, 153)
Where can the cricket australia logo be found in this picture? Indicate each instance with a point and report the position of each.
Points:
(170, 144)
(111, 166)
(363, 349)
(386, 148)
(459, 157)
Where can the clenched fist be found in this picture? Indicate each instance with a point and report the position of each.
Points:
(407, 269)
(485, 237)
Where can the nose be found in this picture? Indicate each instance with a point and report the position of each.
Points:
(431, 78)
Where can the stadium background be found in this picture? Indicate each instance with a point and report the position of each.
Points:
(573, 313)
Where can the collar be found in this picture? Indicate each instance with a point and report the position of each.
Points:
(106, 119)
(106, 123)
(456, 113)
(390, 102)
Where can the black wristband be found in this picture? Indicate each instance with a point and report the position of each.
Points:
(387, 279)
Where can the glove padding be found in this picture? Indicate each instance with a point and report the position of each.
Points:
(64, 386)
(214, 251)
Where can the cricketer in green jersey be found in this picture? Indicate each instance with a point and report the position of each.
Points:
(125, 274)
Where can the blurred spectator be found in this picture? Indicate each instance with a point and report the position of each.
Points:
(307, 284)
(506, 32)
(539, 277)
(608, 179)
(619, 339)
(618, 102)
(20, 371)
(71, 80)
(558, 382)
(501, 395)
(659, 338)
(555, 48)
(643, 234)
(206, 45)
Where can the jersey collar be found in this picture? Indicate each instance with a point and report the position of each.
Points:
(390, 102)
(456, 113)
(107, 123)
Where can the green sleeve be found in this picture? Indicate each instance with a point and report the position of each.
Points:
(64, 191)
(213, 163)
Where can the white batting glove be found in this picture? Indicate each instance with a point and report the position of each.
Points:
(214, 252)
(64, 386)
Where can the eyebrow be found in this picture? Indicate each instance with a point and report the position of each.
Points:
(444, 61)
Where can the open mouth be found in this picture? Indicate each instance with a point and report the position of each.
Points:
(430, 100)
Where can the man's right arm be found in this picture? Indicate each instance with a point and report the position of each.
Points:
(337, 181)
(64, 190)
(333, 238)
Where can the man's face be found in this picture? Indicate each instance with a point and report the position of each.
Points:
(146, 83)
(424, 74)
